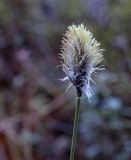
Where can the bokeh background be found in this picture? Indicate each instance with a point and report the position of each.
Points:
(36, 114)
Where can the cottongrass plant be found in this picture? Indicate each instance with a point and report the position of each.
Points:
(80, 56)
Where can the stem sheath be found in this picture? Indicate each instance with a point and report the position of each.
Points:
(75, 128)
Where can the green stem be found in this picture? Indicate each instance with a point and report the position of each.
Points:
(76, 120)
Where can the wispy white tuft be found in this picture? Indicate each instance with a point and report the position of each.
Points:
(81, 55)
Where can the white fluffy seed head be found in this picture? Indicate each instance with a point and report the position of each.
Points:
(80, 54)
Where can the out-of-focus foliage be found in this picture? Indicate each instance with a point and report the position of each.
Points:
(36, 115)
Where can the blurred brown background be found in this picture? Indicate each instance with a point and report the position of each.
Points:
(36, 114)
